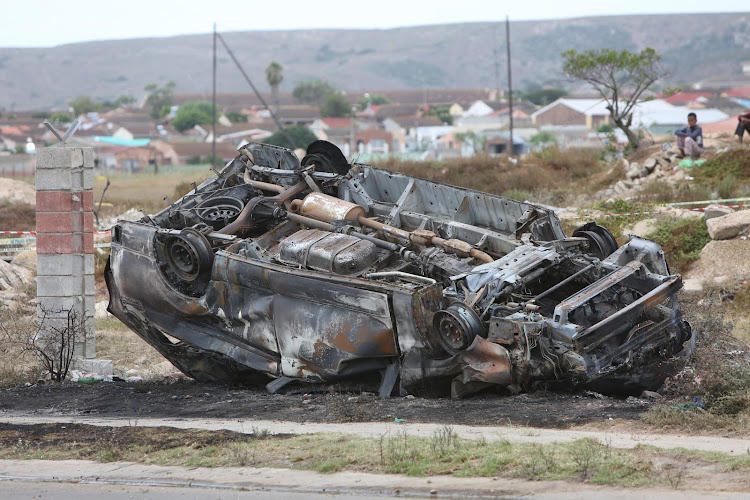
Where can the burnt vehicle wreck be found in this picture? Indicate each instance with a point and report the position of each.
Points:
(277, 270)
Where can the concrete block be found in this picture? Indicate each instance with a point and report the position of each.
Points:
(88, 159)
(728, 226)
(76, 180)
(99, 366)
(61, 286)
(53, 180)
(58, 307)
(64, 265)
(88, 179)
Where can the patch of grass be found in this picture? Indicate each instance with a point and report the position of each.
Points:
(17, 364)
(583, 460)
(713, 391)
(17, 216)
(681, 239)
(619, 206)
(731, 164)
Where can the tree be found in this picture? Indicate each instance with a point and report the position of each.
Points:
(336, 106)
(84, 104)
(159, 99)
(312, 92)
(236, 117)
(60, 118)
(442, 113)
(274, 78)
(192, 113)
(543, 137)
(543, 96)
(124, 101)
(302, 137)
(619, 77)
(372, 100)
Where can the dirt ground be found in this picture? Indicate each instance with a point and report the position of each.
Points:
(186, 399)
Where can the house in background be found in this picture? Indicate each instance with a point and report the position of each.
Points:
(565, 112)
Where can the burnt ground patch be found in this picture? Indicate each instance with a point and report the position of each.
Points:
(312, 404)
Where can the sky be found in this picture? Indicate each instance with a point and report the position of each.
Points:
(46, 23)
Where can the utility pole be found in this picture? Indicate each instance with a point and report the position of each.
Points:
(510, 85)
(213, 109)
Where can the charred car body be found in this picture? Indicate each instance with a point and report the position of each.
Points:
(277, 270)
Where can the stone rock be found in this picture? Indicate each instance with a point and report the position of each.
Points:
(644, 172)
(714, 211)
(25, 259)
(620, 187)
(13, 276)
(641, 228)
(632, 173)
(692, 285)
(650, 163)
(651, 395)
(728, 226)
(100, 310)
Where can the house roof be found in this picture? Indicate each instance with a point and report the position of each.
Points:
(685, 97)
(187, 149)
(337, 122)
(416, 121)
(590, 107)
(743, 92)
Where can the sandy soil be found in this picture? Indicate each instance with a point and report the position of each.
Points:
(13, 190)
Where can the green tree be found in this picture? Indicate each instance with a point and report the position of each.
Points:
(312, 92)
(236, 117)
(61, 118)
(442, 113)
(543, 137)
(372, 99)
(84, 104)
(160, 99)
(192, 113)
(274, 77)
(302, 137)
(471, 138)
(336, 106)
(619, 77)
(543, 96)
(124, 101)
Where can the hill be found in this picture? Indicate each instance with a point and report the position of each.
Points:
(439, 56)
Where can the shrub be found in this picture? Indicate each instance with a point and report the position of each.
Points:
(681, 239)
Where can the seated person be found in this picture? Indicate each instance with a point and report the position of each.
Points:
(743, 125)
(690, 139)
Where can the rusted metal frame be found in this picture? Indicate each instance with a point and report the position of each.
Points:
(591, 291)
(646, 336)
(408, 193)
(623, 319)
(562, 283)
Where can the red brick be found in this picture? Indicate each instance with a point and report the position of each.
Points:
(83, 243)
(54, 243)
(54, 222)
(88, 221)
(88, 200)
(54, 201)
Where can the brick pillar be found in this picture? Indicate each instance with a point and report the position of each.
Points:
(65, 245)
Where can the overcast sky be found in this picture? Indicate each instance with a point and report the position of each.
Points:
(46, 23)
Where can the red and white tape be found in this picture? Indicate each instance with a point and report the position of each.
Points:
(34, 232)
(602, 216)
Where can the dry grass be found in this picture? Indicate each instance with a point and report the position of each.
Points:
(145, 191)
(17, 216)
(552, 176)
(127, 350)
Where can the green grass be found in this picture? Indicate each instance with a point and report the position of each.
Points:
(681, 239)
(442, 454)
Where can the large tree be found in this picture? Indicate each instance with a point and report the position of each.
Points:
(313, 91)
(301, 135)
(336, 106)
(619, 77)
(160, 98)
(192, 113)
(274, 77)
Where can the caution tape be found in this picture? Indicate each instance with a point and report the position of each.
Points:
(630, 214)
(34, 232)
(21, 249)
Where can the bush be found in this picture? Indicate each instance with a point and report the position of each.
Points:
(681, 239)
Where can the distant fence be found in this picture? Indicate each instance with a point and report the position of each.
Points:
(21, 165)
